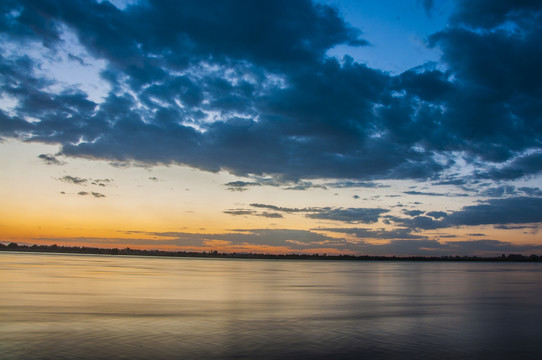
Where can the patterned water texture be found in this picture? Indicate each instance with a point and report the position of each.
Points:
(67, 306)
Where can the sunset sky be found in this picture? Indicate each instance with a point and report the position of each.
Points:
(358, 127)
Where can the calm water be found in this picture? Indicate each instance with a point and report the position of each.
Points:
(105, 307)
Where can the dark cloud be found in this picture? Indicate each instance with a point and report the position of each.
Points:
(349, 215)
(417, 223)
(240, 185)
(270, 215)
(73, 180)
(305, 185)
(82, 181)
(516, 227)
(531, 191)
(302, 240)
(129, 164)
(429, 193)
(236, 212)
(499, 191)
(293, 239)
(413, 212)
(526, 165)
(50, 159)
(101, 182)
(247, 88)
(452, 181)
(400, 242)
(94, 194)
(239, 212)
(501, 211)
(518, 210)
(490, 14)
(491, 50)
(380, 234)
(283, 209)
(355, 184)
(427, 6)
(285, 184)
(437, 214)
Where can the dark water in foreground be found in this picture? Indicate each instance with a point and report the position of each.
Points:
(67, 306)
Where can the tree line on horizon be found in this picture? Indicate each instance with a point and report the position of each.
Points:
(216, 254)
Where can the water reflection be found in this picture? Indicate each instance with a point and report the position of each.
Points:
(106, 307)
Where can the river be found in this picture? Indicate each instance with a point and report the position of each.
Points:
(71, 306)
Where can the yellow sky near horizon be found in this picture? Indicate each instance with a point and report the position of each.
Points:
(38, 206)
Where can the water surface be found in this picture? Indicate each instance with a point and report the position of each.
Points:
(69, 306)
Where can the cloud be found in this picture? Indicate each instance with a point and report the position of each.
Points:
(283, 209)
(496, 105)
(516, 227)
(417, 223)
(237, 212)
(270, 215)
(490, 14)
(499, 191)
(240, 185)
(500, 211)
(531, 191)
(522, 166)
(50, 159)
(101, 182)
(380, 234)
(82, 181)
(355, 184)
(288, 240)
(437, 214)
(243, 212)
(428, 193)
(248, 89)
(94, 194)
(305, 185)
(349, 215)
(427, 6)
(73, 180)
(413, 212)
(292, 239)
(518, 210)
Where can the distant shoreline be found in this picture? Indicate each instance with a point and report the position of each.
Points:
(215, 254)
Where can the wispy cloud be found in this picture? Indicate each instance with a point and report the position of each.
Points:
(240, 185)
(50, 159)
(73, 180)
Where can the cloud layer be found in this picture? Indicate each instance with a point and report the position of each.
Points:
(247, 88)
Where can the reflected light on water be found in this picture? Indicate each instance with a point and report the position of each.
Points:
(55, 306)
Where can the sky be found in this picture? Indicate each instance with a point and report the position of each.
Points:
(288, 126)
